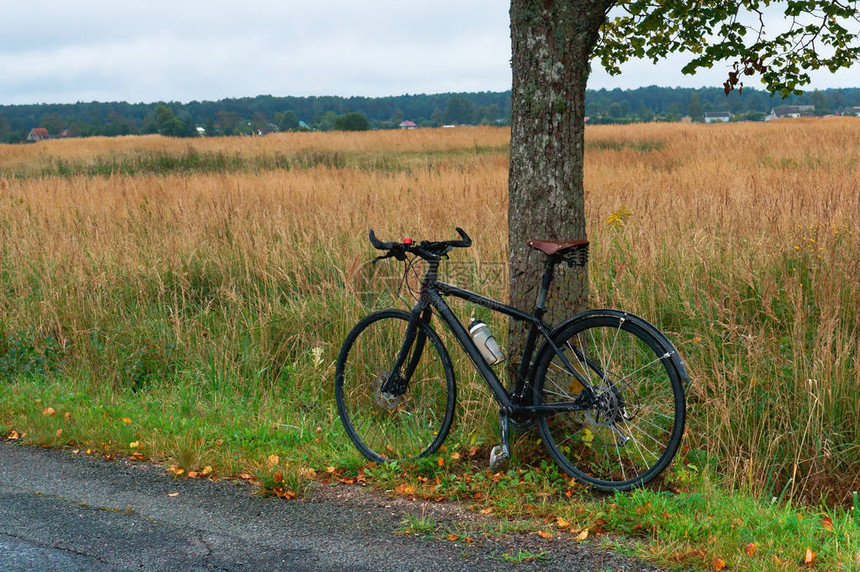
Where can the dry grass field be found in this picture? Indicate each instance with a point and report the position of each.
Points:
(219, 276)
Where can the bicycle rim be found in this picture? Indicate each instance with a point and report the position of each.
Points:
(634, 430)
(388, 426)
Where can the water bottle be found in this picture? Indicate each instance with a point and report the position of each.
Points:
(487, 344)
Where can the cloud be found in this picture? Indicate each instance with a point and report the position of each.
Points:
(54, 50)
(60, 51)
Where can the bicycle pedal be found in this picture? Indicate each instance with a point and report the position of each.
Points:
(499, 458)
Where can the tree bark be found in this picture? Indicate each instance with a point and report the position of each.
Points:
(552, 42)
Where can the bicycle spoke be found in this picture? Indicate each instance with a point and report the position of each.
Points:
(659, 359)
(620, 462)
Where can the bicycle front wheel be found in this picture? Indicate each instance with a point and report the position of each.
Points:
(410, 420)
(632, 429)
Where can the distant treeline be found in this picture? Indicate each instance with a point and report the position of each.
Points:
(266, 113)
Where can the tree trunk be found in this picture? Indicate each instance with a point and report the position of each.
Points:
(552, 42)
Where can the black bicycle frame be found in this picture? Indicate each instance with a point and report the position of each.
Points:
(432, 293)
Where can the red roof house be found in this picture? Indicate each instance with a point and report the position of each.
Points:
(37, 134)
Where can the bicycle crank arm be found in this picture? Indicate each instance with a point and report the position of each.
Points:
(500, 454)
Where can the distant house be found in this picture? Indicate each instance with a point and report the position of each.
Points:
(407, 125)
(37, 134)
(40, 134)
(717, 116)
(784, 111)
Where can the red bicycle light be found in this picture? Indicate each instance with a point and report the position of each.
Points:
(407, 241)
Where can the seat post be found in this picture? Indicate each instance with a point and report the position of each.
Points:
(549, 270)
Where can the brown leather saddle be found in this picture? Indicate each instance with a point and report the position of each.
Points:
(550, 248)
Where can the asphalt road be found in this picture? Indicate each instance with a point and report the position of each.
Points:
(60, 511)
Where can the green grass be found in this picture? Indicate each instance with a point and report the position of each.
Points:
(524, 555)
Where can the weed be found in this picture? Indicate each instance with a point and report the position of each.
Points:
(524, 555)
(418, 525)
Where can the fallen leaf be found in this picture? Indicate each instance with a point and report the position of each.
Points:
(14, 435)
(207, 470)
(543, 534)
(440, 461)
(219, 441)
(308, 472)
(136, 456)
(561, 523)
(405, 489)
(48, 411)
(810, 557)
(751, 549)
(644, 508)
(452, 537)
(455, 456)
(582, 535)
(173, 494)
(273, 459)
(126, 420)
(486, 510)
(245, 476)
(330, 469)
(718, 563)
(473, 451)
(58, 433)
(193, 474)
(827, 523)
(278, 477)
(67, 415)
(134, 444)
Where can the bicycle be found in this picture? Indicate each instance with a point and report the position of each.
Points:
(605, 388)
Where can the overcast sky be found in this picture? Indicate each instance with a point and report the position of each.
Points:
(57, 51)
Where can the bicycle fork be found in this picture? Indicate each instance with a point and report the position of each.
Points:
(397, 383)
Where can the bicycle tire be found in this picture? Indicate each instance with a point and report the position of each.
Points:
(634, 433)
(382, 426)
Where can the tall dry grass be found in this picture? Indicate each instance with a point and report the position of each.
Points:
(742, 240)
(738, 240)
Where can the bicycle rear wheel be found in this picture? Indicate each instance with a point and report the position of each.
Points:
(413, 419)
(632, 431)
